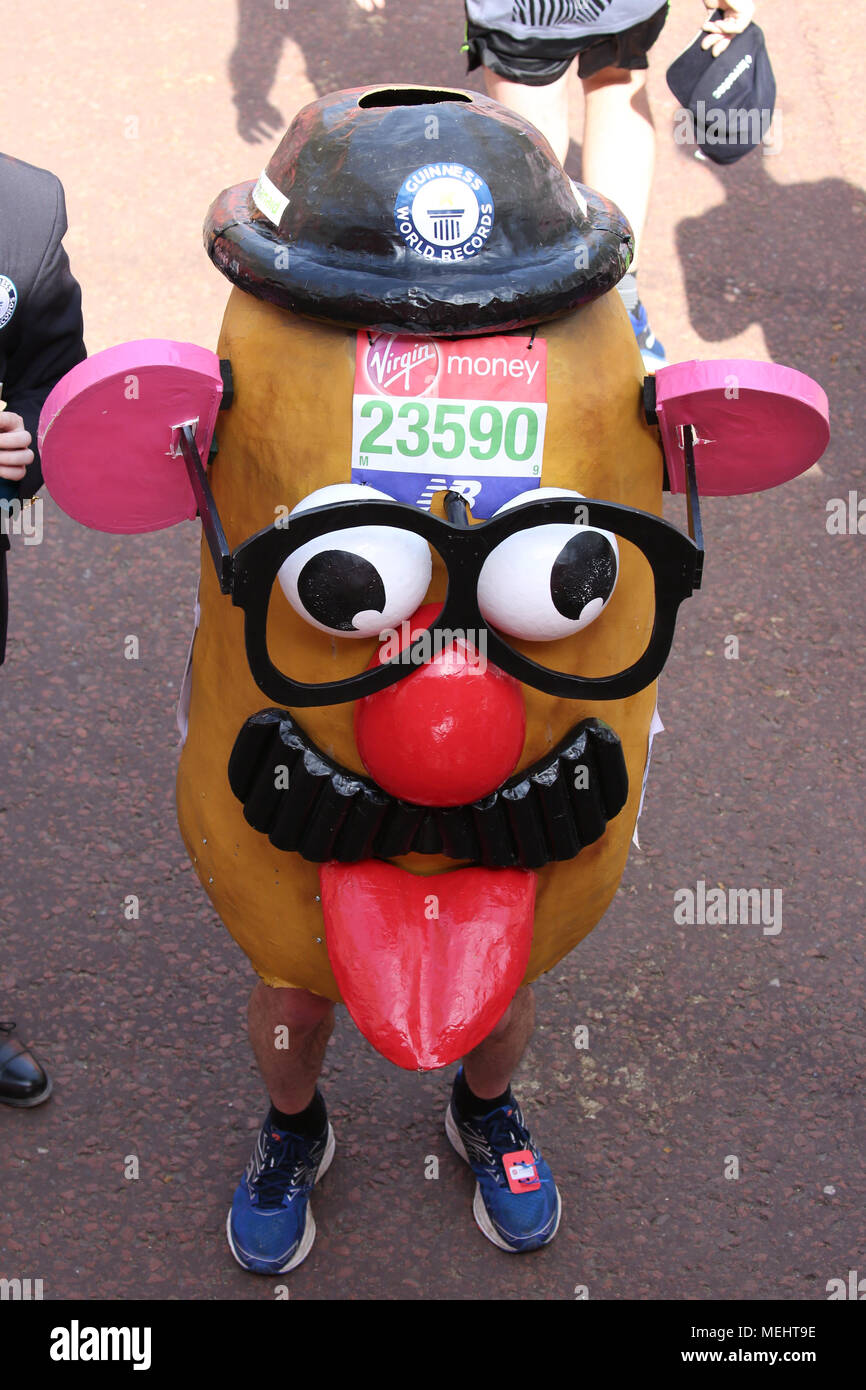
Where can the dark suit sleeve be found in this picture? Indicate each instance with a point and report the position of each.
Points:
(52, 339)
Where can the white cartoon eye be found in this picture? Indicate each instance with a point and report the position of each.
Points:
(548, 581)
(357, 581)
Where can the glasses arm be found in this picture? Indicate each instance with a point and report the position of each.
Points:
(207, 509)
(696, 530)
(457, 510)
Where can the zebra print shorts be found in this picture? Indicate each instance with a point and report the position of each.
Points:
(537, 62)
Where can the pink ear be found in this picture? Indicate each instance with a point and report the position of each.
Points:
(106, 434)
(757, 424)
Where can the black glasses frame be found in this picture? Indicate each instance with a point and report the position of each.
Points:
(248, 574)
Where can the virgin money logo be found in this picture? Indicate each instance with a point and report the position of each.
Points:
(401, 366)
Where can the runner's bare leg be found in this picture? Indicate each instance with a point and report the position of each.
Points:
(619, 142)
(489, 1067)
(546, 107)
(290, 1073)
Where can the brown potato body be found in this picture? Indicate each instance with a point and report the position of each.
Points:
(287, 433)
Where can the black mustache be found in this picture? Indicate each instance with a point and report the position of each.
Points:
(538, 816)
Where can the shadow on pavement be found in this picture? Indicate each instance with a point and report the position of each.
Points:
(342, 46)
(783, 256)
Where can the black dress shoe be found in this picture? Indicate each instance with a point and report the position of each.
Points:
(22, 1080)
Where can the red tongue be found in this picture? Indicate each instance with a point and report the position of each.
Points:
(426, 965)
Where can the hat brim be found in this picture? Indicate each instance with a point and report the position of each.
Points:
(495, 293)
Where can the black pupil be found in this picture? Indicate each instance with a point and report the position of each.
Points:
(336, 584)
(584, 569)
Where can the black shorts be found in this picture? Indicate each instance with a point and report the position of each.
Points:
(538, 62)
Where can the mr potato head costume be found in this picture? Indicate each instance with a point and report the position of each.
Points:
(432, 541)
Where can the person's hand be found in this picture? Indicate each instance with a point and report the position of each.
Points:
(370, 5)
(738, 15)
(15, 456)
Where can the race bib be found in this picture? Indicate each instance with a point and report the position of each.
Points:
(466, 415)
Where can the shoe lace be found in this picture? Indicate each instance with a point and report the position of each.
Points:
(505, 1134)
(287, 1170)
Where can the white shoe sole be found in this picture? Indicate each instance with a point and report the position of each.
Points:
(307, 1239)
(479, 1211)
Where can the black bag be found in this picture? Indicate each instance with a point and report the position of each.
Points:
(730, 99)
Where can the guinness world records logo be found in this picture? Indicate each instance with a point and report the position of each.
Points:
(444, 212)
(8, 300)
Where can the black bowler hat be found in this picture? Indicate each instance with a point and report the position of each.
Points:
(730, 98)
(416, 210)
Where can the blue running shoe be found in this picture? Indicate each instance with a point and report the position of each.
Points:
(651, 350)
(270, 1226)
(517, 1204)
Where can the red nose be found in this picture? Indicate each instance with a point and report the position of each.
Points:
(450, 732)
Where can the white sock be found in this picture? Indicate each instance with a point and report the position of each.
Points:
(628, 290)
